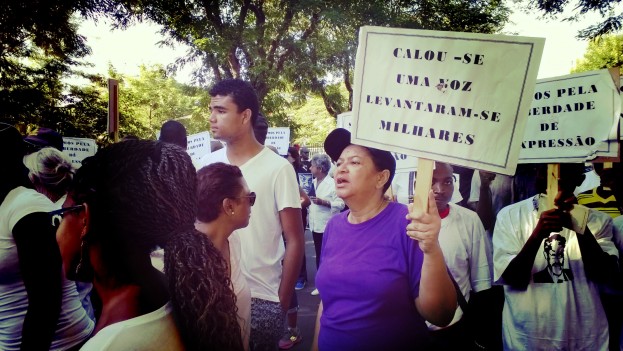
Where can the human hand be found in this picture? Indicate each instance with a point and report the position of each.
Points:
(552, 221)
(486, 178)
(425, 226)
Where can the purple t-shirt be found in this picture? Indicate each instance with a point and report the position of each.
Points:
(368, 280)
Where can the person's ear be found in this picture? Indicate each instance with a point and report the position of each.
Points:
(246, 116)
(382, 178)
(228, 206)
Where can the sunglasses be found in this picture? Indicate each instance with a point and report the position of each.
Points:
(57, 216)
(251, 198)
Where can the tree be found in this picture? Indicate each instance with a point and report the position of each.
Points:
(605, 52)
(288, 48)
(38, 45)
(609, 10)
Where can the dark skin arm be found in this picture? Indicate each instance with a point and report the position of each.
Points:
(41, 267)
(519, 270)
(598, 265)
(484, 207)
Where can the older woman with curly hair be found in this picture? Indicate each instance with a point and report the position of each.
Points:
(128, 199)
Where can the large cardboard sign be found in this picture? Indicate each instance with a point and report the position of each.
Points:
(198, 145)
(572, 118)
(461, 98)
(345, 120)
(404, 162)
(279, 137)
(78, 149)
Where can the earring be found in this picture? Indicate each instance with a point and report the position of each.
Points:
(84, 270)
(232, 212)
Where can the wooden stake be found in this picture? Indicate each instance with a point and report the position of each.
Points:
(423, 183)
(553, 173)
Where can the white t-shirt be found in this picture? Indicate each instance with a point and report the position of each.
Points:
(241, 289)
(74, 325)
(320, 215)
(501, 191)
(273, 180)
(566, 315)
(463, 242)
(151, 331)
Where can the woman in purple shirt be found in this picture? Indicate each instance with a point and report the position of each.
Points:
(377, 285)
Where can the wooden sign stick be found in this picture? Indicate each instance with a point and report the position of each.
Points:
(423, 182)
(553, 173)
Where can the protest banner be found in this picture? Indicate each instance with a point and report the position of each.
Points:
(573, 118)
(305, 181)
(78, 149)
(345, 120)
(198, 145)
(404, 162)
(460, 98)
(279, 137)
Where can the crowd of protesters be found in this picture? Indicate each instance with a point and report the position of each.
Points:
(142, 249)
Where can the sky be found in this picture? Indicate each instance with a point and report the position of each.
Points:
(128, 49)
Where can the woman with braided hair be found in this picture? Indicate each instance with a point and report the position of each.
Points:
(125, 201)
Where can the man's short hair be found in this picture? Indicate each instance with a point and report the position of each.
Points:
(241, 92)
(260, 128)
(175, 133)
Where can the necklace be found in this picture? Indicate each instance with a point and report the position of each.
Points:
(370, 214)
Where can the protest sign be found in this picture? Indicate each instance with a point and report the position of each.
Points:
(78, 149)
(461, 98)
(345, 120)
(198, 145)
(305, 181)
(279, 137)
(572, 118)
(404, 162)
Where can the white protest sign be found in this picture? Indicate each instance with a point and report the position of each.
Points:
(345, 120)
(198, 145)
(460, 98)
(279, 137)
(78, 149)
(404, 163)
(572, 118)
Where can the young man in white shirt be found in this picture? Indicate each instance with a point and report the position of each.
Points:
(234, 110)
(464, 244)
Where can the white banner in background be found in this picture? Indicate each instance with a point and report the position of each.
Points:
(279, 137)
(198, 145)
(78, 149)
(572, 118)
(460, 98)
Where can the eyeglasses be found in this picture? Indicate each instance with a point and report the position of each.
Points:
(57, 216)
(251, 198)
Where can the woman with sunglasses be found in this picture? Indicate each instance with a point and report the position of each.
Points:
(39, 308)
(225, 205)
(128, 199)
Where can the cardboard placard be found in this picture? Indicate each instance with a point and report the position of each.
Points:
(460, 98)
(572, 118)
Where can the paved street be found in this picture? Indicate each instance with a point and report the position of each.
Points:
(308, 304)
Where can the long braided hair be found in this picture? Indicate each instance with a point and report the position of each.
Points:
(142, 195)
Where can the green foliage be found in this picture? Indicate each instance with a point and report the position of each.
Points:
(38, 45)
(313, 122)
(605, 52)
(300, 46)
(609, 10)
